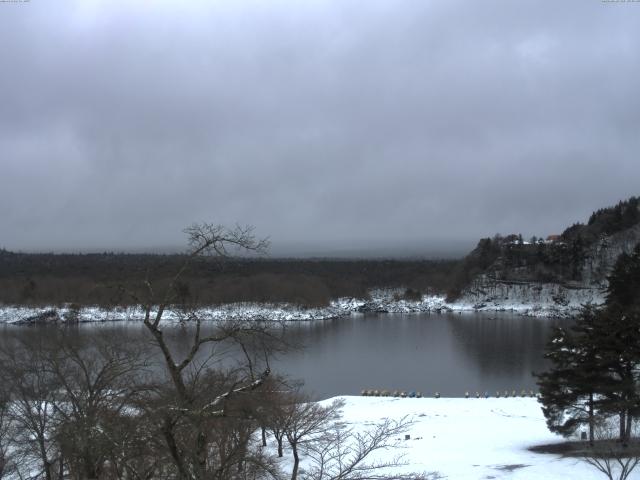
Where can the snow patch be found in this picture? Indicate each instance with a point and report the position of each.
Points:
(466, 439)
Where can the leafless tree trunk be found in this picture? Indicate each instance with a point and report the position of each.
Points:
(189, 416)
(263, 432)
(7, 465)
(306, 420)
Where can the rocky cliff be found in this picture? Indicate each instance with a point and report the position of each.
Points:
(491, 290)
(602, 255)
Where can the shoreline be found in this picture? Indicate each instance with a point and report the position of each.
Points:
(380, 301)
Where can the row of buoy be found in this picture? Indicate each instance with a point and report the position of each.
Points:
(414, 394)
(389, 393)
(505, 394)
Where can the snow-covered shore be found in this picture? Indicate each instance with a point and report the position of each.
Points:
(381, 301)
(470, 438)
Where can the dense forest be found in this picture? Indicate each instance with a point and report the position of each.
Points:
(97, 279)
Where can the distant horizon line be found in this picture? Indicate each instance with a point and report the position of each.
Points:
(311, 254)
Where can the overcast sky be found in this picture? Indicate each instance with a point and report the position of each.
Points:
(334, 127)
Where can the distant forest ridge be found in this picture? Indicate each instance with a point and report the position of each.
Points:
(96, 279)
(101, 278)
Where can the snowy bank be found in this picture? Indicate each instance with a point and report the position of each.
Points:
(470, 438)
(544, 302)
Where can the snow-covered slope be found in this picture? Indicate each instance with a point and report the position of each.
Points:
(466, 439)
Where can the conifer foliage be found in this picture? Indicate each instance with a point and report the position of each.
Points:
(595, 365)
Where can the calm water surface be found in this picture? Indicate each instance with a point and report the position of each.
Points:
(447, 353)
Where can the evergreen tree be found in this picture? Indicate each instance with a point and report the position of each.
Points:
(595, 366)
(623, 293)
(576, 257)
(619, 342)
(568, 389)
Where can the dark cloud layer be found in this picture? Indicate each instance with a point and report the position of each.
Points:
(333, 126)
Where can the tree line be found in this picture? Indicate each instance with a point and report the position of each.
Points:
(95, 279)
(606, 221)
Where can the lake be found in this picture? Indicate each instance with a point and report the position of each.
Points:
(447, 353)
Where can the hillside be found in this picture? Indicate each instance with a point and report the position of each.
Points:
(571, 268)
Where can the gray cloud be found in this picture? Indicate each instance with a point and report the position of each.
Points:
(333, 125)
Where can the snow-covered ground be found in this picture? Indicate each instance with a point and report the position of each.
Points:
(244, 311)
(470, 438)
(381, 300)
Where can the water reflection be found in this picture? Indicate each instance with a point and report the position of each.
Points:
(448, 353)
(503, 349)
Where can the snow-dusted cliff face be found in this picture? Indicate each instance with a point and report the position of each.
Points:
(550, 299)
(539, 299)
(602, 256)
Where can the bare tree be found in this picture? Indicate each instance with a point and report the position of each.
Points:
(329, 449)
(29, 391)
(204, 432)
(615, 459)
(304, 422)
(96, 379)
(7, 464)
(275, 409)
(344, 454)
(66, 401)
